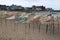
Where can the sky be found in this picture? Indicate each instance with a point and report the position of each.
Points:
(55, 4)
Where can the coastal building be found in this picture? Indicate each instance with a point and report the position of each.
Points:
(3, 7)
(28, 9)
(16, 8)
(38, 8)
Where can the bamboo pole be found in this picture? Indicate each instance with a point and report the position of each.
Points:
(5, 22)
(14, 24)
(39, 26)
(1, 22)
(53, 25)
(58, 23)
(25, 28)
(33, 27)
(46, 28)
(29, 26)
(50, 27)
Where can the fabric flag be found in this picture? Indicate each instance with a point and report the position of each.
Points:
(36, 18)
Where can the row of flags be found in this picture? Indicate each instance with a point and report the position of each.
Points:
(27, 17)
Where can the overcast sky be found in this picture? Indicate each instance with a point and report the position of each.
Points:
(55, 4)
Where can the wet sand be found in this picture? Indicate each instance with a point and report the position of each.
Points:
(9, 30)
